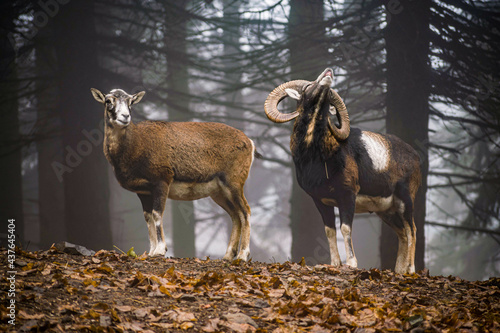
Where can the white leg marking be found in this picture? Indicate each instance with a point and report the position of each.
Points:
(331, 234)
(350, 256)
(402, 263)
(244, 252)
(161, 247)
(152, 231)
(234, 239)
(410, 255)
(406, 246)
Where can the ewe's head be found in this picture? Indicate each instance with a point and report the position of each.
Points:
(117, 105)
(312, 97)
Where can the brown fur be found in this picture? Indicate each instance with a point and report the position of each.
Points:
(351, 179)
(187, 152)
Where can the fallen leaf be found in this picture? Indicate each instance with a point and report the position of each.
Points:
(134, 326)
(211, 326)
(186, 325)
(179, 316)
(240, 318)
(23, 315)
(140, 313)
(104, 321)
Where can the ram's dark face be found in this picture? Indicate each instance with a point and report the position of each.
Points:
(315, 96)
(117, 105)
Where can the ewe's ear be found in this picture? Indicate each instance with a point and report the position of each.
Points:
(137, 97)
(292, 93)
(99, 96)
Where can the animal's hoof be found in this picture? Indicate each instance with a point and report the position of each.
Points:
(158, 252)
(352, 263)
(243, 255)
(228, 257)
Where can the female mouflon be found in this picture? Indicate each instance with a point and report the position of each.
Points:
(181, 161)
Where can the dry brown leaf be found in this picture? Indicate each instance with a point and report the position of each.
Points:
(186, 325)
(179, 316)
(23, 315)
(211, 326)
(239, 328)
(141, 313)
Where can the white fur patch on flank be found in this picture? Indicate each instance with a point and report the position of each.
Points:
(377, 149)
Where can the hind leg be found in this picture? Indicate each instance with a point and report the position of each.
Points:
(405, 262)
(244, 215)
(346, 211)
(405, 212)
(237, 208)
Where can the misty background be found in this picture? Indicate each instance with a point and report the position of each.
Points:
(427, 71)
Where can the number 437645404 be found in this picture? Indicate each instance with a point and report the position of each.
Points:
(11, 242)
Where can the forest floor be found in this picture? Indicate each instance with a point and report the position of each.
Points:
(113, 292)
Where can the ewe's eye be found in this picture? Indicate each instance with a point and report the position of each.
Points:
(109, 102)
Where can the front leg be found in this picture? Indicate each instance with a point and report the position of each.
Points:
(153, 207)
(328, 216)
(346, 211)
(147, 207)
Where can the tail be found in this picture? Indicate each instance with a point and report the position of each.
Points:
(256, 154)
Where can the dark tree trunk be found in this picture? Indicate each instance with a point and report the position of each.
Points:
(49, 146)
(232, 65)
(84, 172)
(183, 218)
(11, 195)
(308, 57)
(408, 87)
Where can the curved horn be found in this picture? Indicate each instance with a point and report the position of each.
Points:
(341, 133)
(276, 96)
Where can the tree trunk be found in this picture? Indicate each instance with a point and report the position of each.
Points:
(11, 195)
(308, 57)
(84, 172)
(408, 87)
(49, 147)
(232, 73)
(183, 218)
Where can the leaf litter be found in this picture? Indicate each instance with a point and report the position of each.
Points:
(116, 292)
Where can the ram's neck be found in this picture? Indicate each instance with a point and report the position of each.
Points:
(311, 138)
